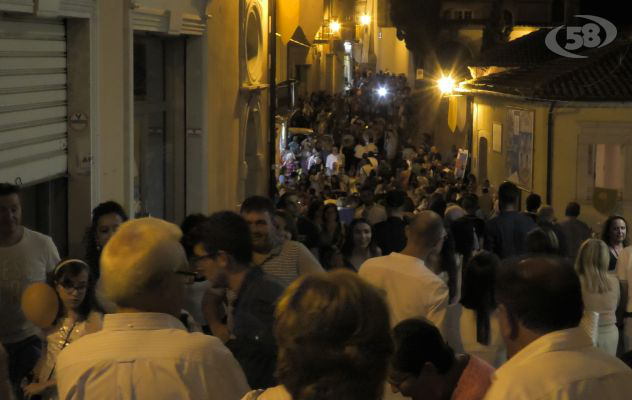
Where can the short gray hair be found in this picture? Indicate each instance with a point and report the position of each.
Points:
(138, 256)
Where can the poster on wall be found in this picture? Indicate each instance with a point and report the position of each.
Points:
(461, 163)
(518, 143)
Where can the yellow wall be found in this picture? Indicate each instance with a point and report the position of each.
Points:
(488, 110)
(567, 126)
(226, 104)
(391, 53)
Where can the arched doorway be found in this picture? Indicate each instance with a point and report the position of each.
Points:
(251, 154)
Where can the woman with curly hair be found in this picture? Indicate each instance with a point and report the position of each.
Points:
(332, 331)
(106, 218)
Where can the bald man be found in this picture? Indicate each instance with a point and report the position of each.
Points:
(144, 351)
(412, 290)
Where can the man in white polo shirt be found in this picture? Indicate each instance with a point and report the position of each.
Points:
(412, 290)
(144, 351)
(550, 356)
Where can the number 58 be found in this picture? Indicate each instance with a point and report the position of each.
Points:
(590, 37)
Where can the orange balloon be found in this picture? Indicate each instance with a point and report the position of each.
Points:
(40, 304)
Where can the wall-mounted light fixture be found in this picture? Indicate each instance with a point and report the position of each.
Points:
(446, 84)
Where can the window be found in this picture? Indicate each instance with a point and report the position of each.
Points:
(603, 157)
(605, 168)
(467, 15)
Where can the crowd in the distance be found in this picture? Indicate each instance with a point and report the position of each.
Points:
(407, 278)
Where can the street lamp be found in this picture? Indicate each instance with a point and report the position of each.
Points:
(334, 26)
(446, 84)
(365, 19)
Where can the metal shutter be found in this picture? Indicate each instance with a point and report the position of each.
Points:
(33, 110)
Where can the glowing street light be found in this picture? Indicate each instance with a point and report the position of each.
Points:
(365, 19)
(381, 91)
(446, 84)
(334, 26)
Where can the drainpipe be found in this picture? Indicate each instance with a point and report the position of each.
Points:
(272, 98)
(549, 155)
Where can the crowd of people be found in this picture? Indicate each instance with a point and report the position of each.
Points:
(382, 272)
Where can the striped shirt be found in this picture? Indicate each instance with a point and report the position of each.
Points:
(288, 261)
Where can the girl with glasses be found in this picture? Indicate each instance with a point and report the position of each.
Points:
(78, 314)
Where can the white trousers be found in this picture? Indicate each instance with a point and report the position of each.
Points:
(608, 338)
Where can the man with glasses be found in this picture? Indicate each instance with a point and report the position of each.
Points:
(412, 290)
(224, 256)
(143, 350)
(25, 257)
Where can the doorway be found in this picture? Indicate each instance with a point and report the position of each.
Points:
(252, 156)
(482, 159)
(159, 126)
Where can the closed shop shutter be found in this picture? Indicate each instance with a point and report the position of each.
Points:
(33, 113)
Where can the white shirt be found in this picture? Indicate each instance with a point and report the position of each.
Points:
(604, 304)
(148, 356)
(461, 335)
(412, 290)
(26, 262)
(561, 365)
(332, 158)
(624, 272)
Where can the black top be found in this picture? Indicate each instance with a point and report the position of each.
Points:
(506, 234)
(532, 215)
(308, 233)
(253, 314)
(465, 230)
(390, 235)
(612, 263)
